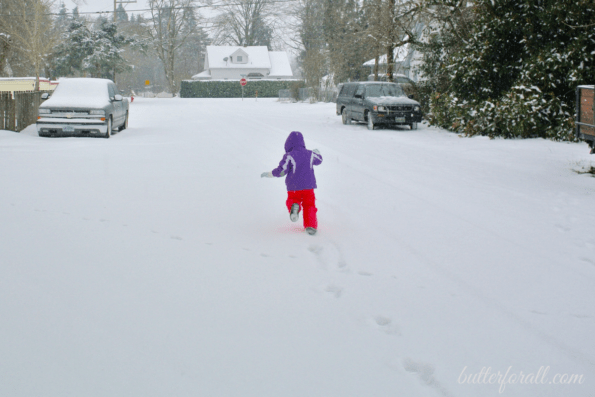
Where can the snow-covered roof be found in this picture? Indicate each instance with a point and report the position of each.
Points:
(258, 57)
(279, 64)
(22, 78)
(399, 53)
(202, 75)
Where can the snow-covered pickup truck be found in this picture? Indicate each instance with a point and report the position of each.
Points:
(83, 107)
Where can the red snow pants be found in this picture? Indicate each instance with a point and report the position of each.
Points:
(306, 200)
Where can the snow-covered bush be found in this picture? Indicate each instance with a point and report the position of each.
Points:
(515, 76)
(524, 112)
(232, 89)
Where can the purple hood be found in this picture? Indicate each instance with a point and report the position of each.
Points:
(298, 164)
(295, 140)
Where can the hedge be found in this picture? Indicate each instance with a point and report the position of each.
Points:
(233, 89)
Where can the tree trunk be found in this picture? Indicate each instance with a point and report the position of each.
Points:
(390, 48)
(376, 60)
(389, 61)
(36, 78)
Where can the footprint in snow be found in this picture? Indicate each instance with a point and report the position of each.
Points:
(426, 374)
(562, 228)
(364, 273)
(386, 325)
(329, 255)
(176, 237)
(335, 290)
(424, 371)
(315, 249)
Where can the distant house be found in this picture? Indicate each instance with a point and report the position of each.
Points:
(253, 63)
(407, 60)
(12, 84)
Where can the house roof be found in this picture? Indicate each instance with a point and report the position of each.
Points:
(279, 64)
(399, 53)
(258, 57)
(202, 75)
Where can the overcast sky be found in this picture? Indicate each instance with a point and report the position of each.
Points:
(104, 5)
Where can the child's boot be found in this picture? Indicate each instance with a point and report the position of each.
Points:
(311, 231)
(294, 215)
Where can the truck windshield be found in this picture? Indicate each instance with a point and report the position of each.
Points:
(378, 90)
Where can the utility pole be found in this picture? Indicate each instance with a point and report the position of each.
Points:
(116, 2)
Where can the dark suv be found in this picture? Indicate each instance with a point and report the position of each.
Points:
(377, 103)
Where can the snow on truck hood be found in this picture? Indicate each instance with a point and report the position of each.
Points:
(392, 100)
(79, 93)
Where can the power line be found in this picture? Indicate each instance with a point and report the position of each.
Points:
(163, 8)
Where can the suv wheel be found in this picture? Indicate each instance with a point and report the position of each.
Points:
(344, 117)
(371, 124)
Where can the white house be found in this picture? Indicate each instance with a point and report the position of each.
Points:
(407, 60)
(253, 62)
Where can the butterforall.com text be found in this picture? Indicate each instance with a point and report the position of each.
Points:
(487, 376)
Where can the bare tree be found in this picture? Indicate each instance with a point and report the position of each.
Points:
(392, 25)
(246, 22)
(170, 25)
(29, 31)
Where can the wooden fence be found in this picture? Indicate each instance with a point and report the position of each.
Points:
(19, 110)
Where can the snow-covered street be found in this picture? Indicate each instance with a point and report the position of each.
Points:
(159, 263)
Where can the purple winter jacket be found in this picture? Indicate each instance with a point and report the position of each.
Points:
(298, 164)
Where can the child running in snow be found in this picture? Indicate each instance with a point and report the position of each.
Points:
(298, 164)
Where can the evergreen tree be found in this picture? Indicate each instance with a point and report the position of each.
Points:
(76, 44)
(313, 55)
(75, 13)
(348, 47)
(516, 75)
(95, 52)
(62, 18)
(121, 15)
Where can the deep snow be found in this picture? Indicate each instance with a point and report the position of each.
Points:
(159, 263)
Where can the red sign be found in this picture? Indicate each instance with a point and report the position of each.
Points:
(243, 81)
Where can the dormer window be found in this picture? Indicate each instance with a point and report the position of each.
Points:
(239, 56)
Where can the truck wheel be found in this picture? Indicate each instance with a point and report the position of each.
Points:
(413, 126)
(344, 117)
(371, 124)
(109, 128)
(125, 125)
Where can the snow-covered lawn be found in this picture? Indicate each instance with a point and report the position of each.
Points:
(159, 263)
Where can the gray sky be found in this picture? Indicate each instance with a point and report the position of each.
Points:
(103, 5)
